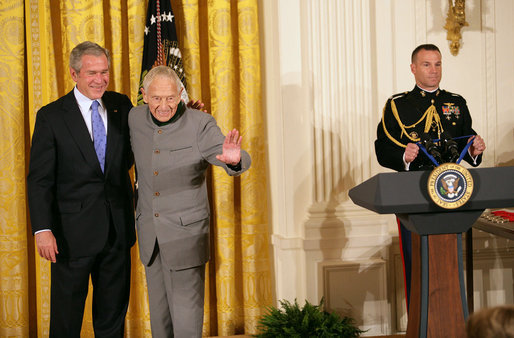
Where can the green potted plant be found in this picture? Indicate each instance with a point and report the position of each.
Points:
(310, 321)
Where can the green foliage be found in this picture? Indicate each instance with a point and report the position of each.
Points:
(309, 321)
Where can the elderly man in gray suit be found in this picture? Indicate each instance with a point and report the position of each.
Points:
(173, 146)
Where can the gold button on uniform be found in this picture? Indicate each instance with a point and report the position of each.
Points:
(155, 173)
(156, 214)
(157, 193)
(159, 131)
(156, 151)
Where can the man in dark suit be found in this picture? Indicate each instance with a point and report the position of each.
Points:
(80, 197)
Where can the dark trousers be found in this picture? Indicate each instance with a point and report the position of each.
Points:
(110, 275)
(406, 249)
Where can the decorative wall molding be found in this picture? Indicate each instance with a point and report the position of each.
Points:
(370, 310)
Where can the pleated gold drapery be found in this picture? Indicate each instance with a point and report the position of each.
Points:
(222, 60)
(14, 281)
(220, 45)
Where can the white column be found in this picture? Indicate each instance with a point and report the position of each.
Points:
(289, 125)
(345, 246)
(342, 95)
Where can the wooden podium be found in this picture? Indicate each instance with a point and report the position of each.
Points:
(438, 295)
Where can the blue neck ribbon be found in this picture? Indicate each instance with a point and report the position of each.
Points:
(462, 153)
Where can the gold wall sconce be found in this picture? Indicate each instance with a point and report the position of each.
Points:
(454, 22)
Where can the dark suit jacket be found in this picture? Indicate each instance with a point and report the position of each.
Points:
(67, 191)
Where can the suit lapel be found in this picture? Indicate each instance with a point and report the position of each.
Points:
(113, 131)
(78, 130)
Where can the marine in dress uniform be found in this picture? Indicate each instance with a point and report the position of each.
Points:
(406, 116)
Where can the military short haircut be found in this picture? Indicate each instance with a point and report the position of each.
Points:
(427, 46)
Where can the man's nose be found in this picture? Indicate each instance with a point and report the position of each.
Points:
(98, 77)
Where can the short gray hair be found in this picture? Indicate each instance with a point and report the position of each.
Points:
(87, 48)
(161, 71)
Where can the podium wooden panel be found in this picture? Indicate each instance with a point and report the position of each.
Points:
(438, 305)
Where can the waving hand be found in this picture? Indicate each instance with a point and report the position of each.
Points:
(231, 148)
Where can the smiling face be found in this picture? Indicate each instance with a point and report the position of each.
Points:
(93, 77)
(163, 97)
(427, 69)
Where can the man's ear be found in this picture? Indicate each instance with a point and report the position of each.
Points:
(74, 74)
(144, 95)
(413, 68)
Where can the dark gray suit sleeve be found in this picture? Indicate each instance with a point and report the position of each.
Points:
(41, 176)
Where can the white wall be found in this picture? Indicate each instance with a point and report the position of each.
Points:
(329, 66)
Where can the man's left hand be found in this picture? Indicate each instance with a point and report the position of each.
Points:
(477, 147)
(231, 148)
(196, 105)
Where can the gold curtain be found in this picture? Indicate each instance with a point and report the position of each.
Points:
(220, 45)
(14, 281)
(222, 60)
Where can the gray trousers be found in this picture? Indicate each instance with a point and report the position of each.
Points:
(176, 299)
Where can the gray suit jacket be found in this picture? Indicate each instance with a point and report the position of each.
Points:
(173, 206)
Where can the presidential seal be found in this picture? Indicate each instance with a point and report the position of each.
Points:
(450, 185)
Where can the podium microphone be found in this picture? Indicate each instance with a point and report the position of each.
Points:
(431, 148)
(451, 149)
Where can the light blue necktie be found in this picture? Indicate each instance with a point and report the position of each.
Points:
(99, 136)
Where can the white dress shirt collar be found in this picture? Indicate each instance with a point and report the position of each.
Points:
(84, 101)
(84, 104)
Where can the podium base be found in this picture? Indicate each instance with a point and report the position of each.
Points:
(438, 301)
